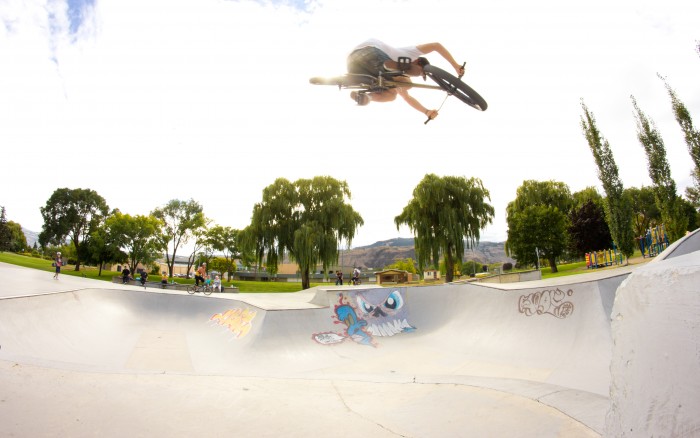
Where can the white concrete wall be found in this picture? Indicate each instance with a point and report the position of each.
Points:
(655, 368)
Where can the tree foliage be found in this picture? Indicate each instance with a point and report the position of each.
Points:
(104, 249)
(225, 241)
(618, 212)
(692, 140)
(5, 235)
(672, 214)
(180, 220)
(18, 241)
(306, 219)
(72, 214)
(443, 212)
(645, 213)
(408, 265)
(537, 222)
(588, 230)
(138, 235)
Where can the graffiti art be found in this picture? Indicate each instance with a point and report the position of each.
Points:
(366, 314)
(547, 301)
(238, 321)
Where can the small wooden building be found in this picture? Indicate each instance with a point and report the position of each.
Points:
(393, 276)
(431, 275)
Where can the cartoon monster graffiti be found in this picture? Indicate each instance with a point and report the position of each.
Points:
(368, 313)
(547, 301)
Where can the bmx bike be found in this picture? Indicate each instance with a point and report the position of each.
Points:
(206, 289)
(383, 81)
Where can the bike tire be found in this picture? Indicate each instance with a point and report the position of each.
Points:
(455, 87)
(352, 81)
(190, 290)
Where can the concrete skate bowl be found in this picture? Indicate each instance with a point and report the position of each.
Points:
(531, 359)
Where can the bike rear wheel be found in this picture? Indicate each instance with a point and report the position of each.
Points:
(350, 81)
(190, 290)
(455, 87)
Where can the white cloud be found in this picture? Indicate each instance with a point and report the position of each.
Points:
(150, 101)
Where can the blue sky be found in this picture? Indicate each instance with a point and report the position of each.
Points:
(150, 101)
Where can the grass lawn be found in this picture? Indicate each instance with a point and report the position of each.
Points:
(93, 272)
(243, 286)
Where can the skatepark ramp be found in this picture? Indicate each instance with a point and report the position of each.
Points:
(524, 359)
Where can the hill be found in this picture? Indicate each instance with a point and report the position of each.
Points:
(385, 252)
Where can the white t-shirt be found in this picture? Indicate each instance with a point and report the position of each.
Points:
(393, 52)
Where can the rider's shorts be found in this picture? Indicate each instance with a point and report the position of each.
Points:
(367, 60)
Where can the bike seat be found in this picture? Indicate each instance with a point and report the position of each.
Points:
(403, 66)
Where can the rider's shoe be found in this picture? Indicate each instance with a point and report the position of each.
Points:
(360, 98)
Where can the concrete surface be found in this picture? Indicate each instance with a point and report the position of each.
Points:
(84, 358)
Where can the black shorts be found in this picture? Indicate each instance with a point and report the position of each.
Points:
(368, 61)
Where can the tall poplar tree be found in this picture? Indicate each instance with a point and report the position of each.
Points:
(692, 139)
(618, 210)
(672, 213)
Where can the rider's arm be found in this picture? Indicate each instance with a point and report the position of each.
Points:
(403, 92)
(437, 47)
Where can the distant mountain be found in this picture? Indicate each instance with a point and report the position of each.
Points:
(32, 237)
(385, 252)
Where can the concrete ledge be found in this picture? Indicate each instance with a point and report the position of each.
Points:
(169, 286)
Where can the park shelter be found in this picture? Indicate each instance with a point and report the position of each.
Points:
(393, 276)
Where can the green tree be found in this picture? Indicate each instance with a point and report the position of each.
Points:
(672, 214)
(72, 214)
(18, 241)
(446, 216)
(180, 220)
(618, 211)
(5, 235)
(306, 219)
(645, 213)
(408, 265)
(692, 139)
(538, 222)
(588, 230)
(588, 194)
(225, 240)
(138, 235)
(104, 249)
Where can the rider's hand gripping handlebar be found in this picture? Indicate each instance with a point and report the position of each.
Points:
(443, 102)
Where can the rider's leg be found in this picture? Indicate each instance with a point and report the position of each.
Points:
(365, 98)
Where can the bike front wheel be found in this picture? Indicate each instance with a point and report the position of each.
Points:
(455, 87)
(207, 291)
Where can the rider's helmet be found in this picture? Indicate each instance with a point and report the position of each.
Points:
(58, 253)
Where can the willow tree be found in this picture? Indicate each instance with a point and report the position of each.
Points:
(618, 210)
(670, 205)
(446, 216)
(306, 219)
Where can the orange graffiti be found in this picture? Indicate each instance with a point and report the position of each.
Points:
(239, 321)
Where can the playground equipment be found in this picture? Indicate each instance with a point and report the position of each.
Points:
(601, 259)
(654, 242)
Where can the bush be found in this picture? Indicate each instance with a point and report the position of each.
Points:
(507, 266)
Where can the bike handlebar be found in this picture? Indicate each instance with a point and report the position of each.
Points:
(443, 102)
